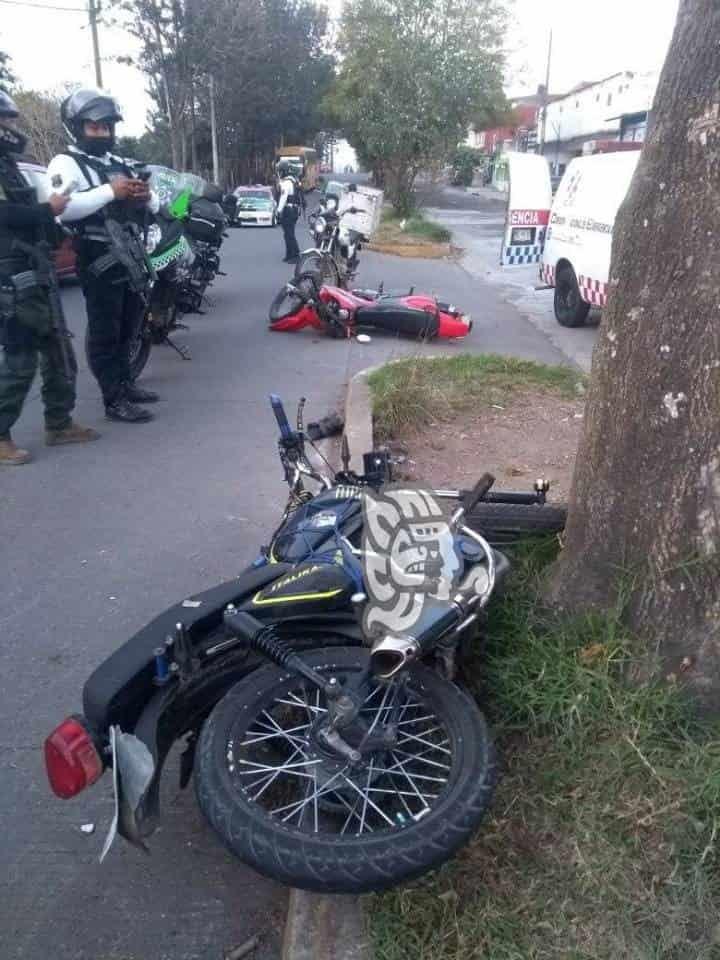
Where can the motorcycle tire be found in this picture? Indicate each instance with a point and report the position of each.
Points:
(324, 267)
(286, 303)
(139, 354)
(506, 523)
(398, 835)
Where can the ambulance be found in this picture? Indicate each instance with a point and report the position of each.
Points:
(570, 235)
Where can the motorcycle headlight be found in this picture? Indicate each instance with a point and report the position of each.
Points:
(320, 225)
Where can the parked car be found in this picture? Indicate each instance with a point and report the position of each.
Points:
(255, 205)
(65, 257)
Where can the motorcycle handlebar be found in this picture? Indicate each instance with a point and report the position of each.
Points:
(281, 417)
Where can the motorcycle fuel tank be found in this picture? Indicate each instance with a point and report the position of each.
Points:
(317, 523)
(310, 588)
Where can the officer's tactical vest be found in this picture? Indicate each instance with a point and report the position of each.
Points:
(14, 189)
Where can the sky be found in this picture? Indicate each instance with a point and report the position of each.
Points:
(591, 39)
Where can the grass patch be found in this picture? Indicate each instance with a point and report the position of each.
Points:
(418, 391)
(415, 229)
(602, 842)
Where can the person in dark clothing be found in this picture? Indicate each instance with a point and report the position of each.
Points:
(289, 207)
(27, 332)
(115, 295)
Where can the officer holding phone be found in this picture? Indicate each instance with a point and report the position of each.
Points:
(107, 213)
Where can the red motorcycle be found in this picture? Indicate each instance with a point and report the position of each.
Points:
(340, 313)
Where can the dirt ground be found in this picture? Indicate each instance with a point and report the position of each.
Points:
(534, 434)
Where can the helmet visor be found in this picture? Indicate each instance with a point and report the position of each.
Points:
(92, 105)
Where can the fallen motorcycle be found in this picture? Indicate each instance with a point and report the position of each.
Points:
(341, 313)
(327, 756)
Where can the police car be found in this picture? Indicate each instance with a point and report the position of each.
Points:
(255, 205)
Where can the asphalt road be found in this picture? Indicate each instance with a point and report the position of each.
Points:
(477, 220)
(95, 540)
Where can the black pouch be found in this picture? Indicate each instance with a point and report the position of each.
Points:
(7, 310)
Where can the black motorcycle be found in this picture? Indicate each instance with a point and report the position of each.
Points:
(334, 259)
(325, 754)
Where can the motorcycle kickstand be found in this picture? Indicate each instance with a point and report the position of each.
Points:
(179, 348)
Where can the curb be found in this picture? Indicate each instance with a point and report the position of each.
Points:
(325, 927)
(358, 418)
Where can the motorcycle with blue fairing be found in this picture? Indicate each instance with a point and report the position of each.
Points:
(327, 753)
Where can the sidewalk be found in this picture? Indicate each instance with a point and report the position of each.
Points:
(479, 233)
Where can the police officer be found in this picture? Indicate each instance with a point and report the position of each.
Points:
(289, 206)
(27, 331)
(115, 294)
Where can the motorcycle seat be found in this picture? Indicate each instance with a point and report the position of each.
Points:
(393, 315)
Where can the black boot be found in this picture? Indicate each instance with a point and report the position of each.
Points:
(127, 412)
(136, 394)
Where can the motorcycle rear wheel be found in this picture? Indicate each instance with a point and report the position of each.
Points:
(300, 816)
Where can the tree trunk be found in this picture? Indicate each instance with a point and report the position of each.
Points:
(645, 506)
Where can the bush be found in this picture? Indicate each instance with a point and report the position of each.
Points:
(464, 164)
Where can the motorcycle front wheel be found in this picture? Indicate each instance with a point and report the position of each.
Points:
(323, 266)
(298, 812)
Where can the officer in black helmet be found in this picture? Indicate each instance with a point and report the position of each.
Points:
(110, 201)
(289, 207)
(27, 232)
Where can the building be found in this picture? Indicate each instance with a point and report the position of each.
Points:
(519, 134)
(613, 109)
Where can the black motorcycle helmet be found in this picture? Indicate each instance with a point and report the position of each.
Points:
(97, 106)
(283, 168)
(11, 139)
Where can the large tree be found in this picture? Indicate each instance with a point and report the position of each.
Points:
(269, 67)
(413, 76)
(40, 114)
(6, 74)
(644, 520)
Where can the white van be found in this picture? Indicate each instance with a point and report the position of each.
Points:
(574, 250)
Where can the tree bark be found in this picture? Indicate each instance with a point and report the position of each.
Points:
(644, 518)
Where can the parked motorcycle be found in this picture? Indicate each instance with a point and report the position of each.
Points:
(205, 224)
(172, 259)
(341, 313)
(324, 755)
(334, 258)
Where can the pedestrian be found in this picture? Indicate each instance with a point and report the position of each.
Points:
(289, 207)
(107, 211)
(27, 329)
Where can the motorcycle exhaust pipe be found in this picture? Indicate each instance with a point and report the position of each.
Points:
(389, 655)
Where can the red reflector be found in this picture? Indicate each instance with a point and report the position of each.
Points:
(71, 759)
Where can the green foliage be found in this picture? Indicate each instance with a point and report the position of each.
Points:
(397, 229)
(270, 68)
(417, 391)
(464, 163)
(603, 840)
(6, 75)
(412, 75)
(40, 114)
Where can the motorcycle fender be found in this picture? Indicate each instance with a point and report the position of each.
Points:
(133, 772)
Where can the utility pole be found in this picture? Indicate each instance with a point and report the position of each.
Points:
(213, 132)
(93, 11)
(545, 95)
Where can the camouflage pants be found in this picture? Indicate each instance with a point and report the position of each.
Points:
(17, 371)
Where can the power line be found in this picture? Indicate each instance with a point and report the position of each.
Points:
(43, 6)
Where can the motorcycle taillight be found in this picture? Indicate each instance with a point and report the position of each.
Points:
(72, 760)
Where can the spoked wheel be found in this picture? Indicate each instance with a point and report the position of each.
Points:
(407, 788)
(140, 350)
(324, 267)
(288, 301)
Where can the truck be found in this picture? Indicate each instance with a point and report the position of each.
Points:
(304, 164)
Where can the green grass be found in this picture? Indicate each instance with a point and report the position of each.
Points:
(395, 229)
(602, 841)
(418, 391)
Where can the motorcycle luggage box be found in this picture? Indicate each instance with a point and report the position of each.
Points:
(206, 221)
(395, 317)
